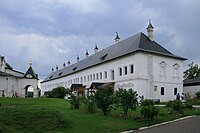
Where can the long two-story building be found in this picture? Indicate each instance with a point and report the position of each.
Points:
(137, 62)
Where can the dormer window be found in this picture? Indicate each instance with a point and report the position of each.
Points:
(60, 74)
(103, 57)
(74, 68)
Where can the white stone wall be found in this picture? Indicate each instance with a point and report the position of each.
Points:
(146, 75)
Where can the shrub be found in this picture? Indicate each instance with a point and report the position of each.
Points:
(126, 99)
(58, 92)
(188, 105)
(147, 103)
(149, 112)
(197, 94)
(104, 99)
(176, 106)
(90, 103)
(75, 102)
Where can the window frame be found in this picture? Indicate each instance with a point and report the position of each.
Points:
(162, 91)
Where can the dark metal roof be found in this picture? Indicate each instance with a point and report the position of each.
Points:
(5, 74)
(139, 42)
(191, 82)
(31, 72)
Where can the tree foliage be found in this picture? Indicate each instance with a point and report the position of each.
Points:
(126, 99)
(104, 99)
(192, 72)
(58, 92)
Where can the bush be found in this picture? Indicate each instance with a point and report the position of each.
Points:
(176, 106)
(147, 103)
(194, 101)
(188, 105)
(149, 112)
(197, 94)
(90, 103)
(104, 99)
(75, 102)
(58, 92)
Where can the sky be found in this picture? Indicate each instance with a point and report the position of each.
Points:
(51, 32)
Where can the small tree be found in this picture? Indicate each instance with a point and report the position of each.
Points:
(126, 99)
(104, 99)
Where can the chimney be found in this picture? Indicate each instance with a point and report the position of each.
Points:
(117, 38)
(77, 58)
(150, 31)
(68, 63)
(96, 49)
(64, 65)
(86, 53)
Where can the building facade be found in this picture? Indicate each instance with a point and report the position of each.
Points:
(138, 62)
(17, 84)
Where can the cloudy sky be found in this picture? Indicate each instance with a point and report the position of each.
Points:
(49, 32)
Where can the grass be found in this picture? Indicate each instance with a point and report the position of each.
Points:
(55, 115)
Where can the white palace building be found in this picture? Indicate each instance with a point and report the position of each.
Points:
(137, 62)
(17, 84)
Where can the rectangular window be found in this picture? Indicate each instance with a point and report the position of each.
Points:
(155, 88)
(90, 77)
(120, 71)
(175, 91)
(105, 75)
(112, 75)
(125, 70)
(131, 69)
(162, 90)
(100, 75)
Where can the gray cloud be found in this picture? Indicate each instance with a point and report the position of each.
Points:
(49, 32)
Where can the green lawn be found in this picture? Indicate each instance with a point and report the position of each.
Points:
(55, 115)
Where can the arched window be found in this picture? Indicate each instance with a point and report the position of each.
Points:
(176, 71)
(163, 69)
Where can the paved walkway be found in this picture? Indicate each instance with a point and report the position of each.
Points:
(190, 125)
